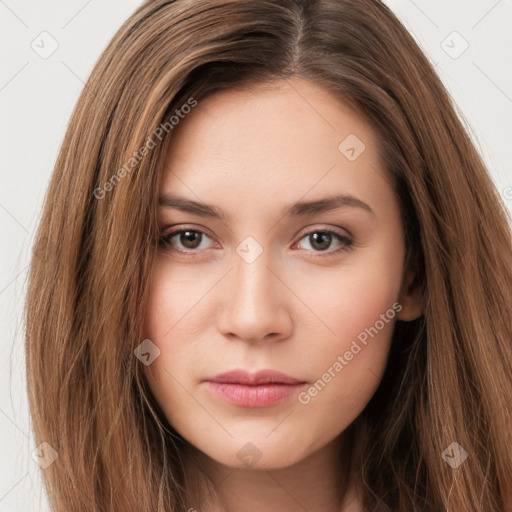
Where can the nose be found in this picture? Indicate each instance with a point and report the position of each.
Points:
(255, 302)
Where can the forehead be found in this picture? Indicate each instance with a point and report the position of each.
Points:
(284, 142)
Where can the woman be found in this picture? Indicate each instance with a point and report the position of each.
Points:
(273, 274)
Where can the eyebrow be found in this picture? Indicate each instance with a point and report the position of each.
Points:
(299, 209)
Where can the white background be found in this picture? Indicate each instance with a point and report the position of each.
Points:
(36, 99)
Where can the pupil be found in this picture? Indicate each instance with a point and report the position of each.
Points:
(323, 237)
(189, 239)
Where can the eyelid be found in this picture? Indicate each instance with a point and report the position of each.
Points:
(347, 236)
(173, 230)
(315, 227)
(178, 228)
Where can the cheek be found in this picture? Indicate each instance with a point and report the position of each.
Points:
(171, 323)
(159, 319)
(175, 297)
(358, 309)
(348, 299)
(346, 372)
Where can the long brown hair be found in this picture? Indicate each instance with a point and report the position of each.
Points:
(449, 375)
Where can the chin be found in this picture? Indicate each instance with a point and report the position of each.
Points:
(244, 453)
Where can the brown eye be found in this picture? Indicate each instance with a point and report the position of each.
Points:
(184, 240)
(190, 239)
(322, 240)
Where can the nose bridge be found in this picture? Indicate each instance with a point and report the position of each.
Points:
(253, 279)
(253, 307)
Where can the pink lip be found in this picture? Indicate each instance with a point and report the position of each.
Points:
(262, 377)
(260, 389)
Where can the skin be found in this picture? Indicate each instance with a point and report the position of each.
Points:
(296, 308)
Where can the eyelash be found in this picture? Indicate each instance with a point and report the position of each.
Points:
(346, 242)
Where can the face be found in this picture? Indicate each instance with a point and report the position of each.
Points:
(291, 260)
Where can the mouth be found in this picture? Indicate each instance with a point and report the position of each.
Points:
(261, 389)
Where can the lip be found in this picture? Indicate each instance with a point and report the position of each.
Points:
(260, 389)
(267, 376)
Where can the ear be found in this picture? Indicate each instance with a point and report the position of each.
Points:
(411, 299)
